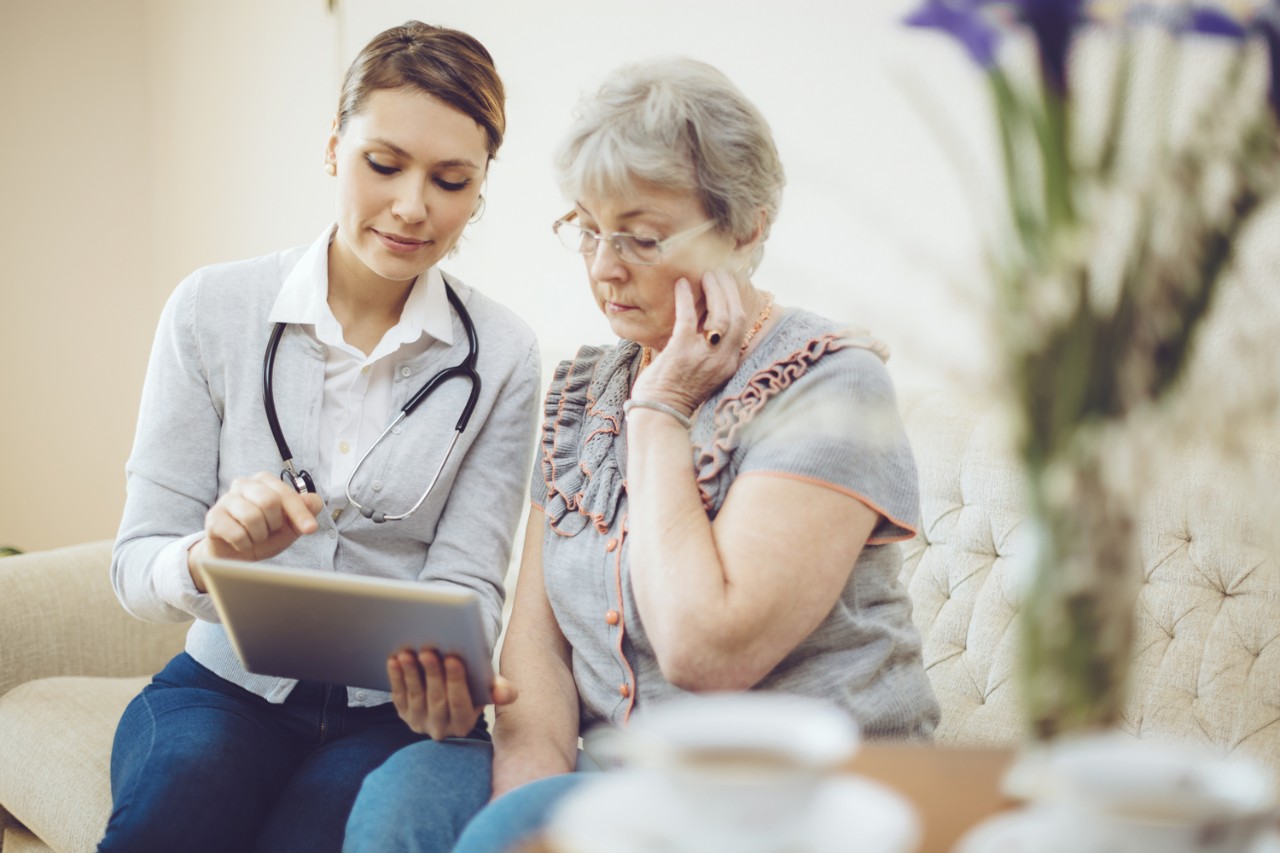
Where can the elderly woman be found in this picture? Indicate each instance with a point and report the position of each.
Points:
(718, 495)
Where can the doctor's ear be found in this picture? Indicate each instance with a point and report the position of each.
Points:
(331, 149)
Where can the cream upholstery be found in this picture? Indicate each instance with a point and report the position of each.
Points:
(83, 712)
(1207, 666)
(70, 659)
(958, 569)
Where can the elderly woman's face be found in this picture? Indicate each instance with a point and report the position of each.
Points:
(639, 300)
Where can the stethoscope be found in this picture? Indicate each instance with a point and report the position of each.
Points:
(466, 369)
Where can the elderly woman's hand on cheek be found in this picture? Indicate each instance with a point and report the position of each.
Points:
(691, 367)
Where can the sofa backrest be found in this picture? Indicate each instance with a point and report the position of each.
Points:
(1207, 661)
(61, 617)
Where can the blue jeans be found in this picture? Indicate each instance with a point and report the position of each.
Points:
(408, 804)
(402, 803)
(200, 764)
(518, 816)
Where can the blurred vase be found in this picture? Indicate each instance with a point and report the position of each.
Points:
(1082, 567)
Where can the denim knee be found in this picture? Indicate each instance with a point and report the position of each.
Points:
(421, 797)
(168, 760)
(517, 816)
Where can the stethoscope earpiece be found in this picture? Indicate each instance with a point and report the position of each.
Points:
(301, 480)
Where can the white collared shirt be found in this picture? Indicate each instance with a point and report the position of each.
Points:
(357, 387)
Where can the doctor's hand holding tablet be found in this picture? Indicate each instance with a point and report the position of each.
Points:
(259, 518)
(431, 694)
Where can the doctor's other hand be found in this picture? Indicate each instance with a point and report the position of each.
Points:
(258, 518)
(431, 694)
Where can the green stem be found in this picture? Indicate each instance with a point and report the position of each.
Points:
(1010, 119)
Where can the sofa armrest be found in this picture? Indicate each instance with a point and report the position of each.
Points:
(61, 617)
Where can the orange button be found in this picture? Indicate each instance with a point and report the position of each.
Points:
(625, 690)
(611, 545)
(612, 617)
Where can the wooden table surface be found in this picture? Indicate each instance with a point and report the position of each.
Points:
(952, 788)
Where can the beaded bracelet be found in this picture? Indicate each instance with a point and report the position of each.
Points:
(657, 407)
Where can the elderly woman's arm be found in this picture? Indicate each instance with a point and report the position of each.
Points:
(724, 602)
(537, 735)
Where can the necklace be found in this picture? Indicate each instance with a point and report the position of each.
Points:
(761, 319)
(646, 354)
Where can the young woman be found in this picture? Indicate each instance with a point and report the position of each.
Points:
(718, 495)
(348, 329)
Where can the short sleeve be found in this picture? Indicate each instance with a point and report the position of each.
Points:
(836, 424)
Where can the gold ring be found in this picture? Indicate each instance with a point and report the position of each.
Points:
(713, 336)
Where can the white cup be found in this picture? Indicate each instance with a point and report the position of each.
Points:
(742, 769)
(1112, 793)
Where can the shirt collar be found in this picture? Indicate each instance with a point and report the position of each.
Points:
(304, 299)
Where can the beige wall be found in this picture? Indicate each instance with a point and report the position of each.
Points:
(148, 137)
(144, 138)
(140, 140)
(75, 184)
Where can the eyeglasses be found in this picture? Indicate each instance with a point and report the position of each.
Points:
(631, 248)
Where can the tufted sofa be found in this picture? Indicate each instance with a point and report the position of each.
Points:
(1207, 665)
(1207, 660)
(70, 660)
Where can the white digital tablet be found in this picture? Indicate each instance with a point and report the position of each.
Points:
(339, 628)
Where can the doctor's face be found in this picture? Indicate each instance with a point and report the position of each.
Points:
(409, 170)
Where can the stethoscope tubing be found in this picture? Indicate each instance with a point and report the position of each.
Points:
(301, 480)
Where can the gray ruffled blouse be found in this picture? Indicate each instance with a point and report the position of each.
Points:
(812, 402)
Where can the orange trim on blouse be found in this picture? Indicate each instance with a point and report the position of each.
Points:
(622, 621)
(861, 498)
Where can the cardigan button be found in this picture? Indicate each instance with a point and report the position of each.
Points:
(624, 690)
(611, 545)
(612, 617)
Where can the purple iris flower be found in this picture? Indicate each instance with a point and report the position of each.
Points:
(964, 20)
(1213, 22)
(1266, 23)
(1053, 22)
(1181, 19)
(1206, 20)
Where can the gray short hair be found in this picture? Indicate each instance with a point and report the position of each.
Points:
(681, 124)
